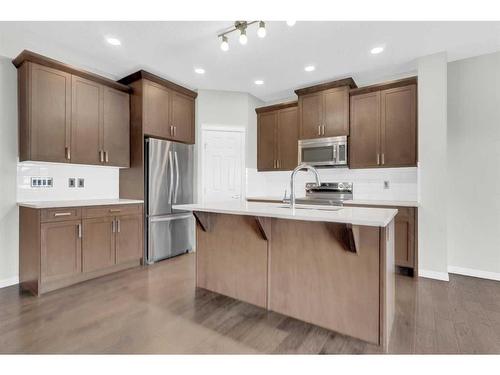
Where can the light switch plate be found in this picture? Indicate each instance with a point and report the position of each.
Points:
(42, 182)
(71, 182)
(81, 182)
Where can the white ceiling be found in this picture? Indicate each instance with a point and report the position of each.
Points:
(173, 49)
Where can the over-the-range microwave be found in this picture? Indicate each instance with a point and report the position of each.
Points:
(324, 152)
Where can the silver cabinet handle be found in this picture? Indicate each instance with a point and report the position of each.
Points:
(114, 210)
(171, 177)
(383, 159)
(323, 129)
(113, 226)
(378, 159)
(175, 130)
(106, 156)
(67, 151)
(101, 158)
(118, 222)
(79, 227)
(62, 214)
(176, 174)
(319, 129)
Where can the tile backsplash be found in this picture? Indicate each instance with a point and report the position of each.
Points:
(99, 182)
(368, 183)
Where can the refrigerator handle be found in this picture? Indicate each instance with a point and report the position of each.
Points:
(171, 164)
(176, 176)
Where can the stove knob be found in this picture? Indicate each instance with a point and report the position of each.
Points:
(341, 186)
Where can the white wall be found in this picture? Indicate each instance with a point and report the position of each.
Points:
(8, 162)
(474, 166)
(432, 144)
(368, 183)
(226, 108)
(100, 182)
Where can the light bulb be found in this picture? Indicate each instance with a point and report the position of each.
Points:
(290, 23)
(224, 45)
(259, 82)
(377, 50)
(261, 31)
(243, 37)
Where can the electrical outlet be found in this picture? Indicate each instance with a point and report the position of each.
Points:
(71, 182)
(81, 182)
(386, 184)
(41, 182)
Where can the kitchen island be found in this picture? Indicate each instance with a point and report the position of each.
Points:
(329, 266)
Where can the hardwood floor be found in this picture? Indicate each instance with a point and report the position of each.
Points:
(158, 310)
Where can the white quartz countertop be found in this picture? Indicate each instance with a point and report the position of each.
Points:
(375, 217)
(371, 202)
(78, 203)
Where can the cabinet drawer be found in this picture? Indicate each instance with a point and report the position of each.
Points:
(61, 214)
(102, 211)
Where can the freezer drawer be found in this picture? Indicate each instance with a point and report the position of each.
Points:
(169, 236)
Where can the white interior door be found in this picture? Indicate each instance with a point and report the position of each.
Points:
(223, 164)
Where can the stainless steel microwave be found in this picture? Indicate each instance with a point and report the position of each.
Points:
(324, 152)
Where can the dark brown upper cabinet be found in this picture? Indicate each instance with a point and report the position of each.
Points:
(324, 109)
(166, 109)
(277, 137)
(384, 125)
(68, 115)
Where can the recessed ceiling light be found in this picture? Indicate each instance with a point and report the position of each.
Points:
(377, 50)
(290, 23)
(309, 68)
(199, 70)
(113, 41)
(259, 82)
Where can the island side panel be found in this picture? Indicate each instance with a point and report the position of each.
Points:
(231, 258)
(387, 283)
(313, 278)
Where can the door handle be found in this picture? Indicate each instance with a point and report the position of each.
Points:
(113, 226)
(118, 225)
(378, 159)
(175, 130)
(62, 214)
(67, 151)
(79, 228)
(383, 159)
(101, 156)
(176, 174)
(106, 156)
(323, 129)
(171, 164)
(319, 129)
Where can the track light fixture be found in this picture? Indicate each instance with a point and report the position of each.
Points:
(241, 26)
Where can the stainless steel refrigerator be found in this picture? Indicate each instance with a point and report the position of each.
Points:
(169, 181)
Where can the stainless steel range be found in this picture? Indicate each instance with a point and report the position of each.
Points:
(328, 193)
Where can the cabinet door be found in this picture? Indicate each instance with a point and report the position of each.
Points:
(86, 110)
(156, 108)
(364, 140)
(60, 250)
(287, 138)
(266, 134)
(50, 102)
(404, 225)
(336, 112)
(129, 238)
(182, 119)
(98, 245)
(116, 128)
(311, 112)
(399, 127)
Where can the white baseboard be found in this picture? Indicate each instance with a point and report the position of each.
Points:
(474, 273)
(443, 276)
(8, 282)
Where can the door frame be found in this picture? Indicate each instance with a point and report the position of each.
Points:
(222, 128)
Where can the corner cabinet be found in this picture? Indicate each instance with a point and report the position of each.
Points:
(63, 246)
(166, 109)
(384, 126)
(324, 109)
(67, 115)
(277, 137)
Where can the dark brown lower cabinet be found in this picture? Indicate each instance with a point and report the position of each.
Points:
(63, 246)
(405, 236)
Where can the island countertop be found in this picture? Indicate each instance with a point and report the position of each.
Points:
(375, 217)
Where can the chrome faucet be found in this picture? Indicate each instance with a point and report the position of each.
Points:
(292, 181)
